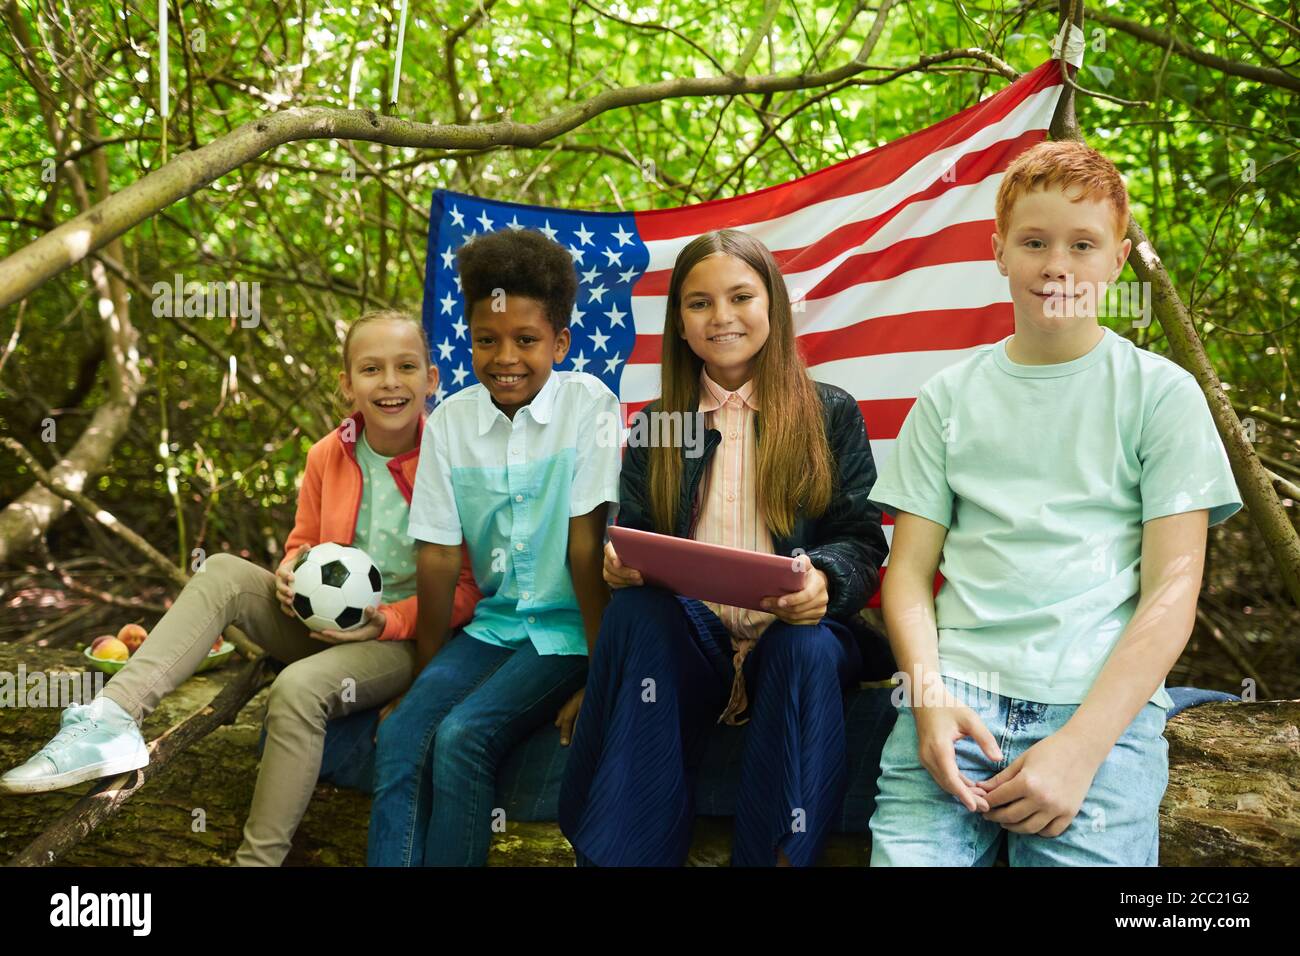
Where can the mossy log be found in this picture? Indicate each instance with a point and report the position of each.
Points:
(1233, 797)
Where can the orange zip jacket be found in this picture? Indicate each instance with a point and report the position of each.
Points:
(330, 499)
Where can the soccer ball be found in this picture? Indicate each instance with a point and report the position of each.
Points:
(333, 585)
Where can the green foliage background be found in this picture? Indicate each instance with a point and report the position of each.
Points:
(326, 247)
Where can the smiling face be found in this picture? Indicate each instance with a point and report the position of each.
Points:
(387, 380)
(514, 348)
(1059, 255)
(724, 312)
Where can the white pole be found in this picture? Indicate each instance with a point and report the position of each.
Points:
(397, 67)
(164, 104)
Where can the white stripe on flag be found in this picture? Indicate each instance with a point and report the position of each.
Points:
(870, 378)
(792, 230)
(867, 377)
(953, 285)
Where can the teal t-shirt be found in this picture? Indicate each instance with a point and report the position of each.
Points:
(381, 524)
(1044, 476)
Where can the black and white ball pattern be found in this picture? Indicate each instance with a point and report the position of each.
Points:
(333, 585)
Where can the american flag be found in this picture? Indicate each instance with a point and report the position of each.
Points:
(887, 257)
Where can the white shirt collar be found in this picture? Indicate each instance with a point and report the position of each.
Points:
(539, 408)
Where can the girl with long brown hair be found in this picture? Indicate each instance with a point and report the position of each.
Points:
(786, 468)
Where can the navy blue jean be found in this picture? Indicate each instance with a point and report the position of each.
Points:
(437, 754)
(660, 676)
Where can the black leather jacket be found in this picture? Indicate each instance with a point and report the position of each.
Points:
(845, 542)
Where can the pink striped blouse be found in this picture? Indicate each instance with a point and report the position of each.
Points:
(730, 512)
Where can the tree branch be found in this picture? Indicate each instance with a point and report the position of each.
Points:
(1188, 351)
(1248, 71)
(188, 172)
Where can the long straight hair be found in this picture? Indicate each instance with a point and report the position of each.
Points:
(794, 459)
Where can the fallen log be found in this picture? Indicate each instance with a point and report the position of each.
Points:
(107, 795)
(1233, 797)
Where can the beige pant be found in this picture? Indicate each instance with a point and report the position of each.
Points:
(321, 681)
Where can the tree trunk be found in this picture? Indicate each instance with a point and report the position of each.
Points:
(30, 515)
(1253, 480)
(1232, 797)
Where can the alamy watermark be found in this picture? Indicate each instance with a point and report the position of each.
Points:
(976, 691)
(75, 908)
(653, 430)
(235, 300)
(1120, 300)
(48, 689)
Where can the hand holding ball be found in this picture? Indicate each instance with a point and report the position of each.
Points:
(333, 585)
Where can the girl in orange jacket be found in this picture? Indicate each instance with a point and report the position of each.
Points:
(356, 491)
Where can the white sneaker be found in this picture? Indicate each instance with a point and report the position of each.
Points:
(98, 739)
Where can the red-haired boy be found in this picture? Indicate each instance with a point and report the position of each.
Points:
(1062, 481)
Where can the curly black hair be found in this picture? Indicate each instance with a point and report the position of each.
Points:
(519, 262)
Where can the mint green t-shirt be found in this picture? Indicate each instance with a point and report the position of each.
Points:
(1044, 476)
(381, 524)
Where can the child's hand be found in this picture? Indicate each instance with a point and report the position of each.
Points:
(615, 573)
(569, 716)
(938, 729)
(806, 606)
(369, 631)
(1042, 789)
(284, 580)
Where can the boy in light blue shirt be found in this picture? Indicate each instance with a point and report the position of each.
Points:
(515, 467)
(1061, 481)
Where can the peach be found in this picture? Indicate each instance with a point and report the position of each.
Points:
(100, 640)
(216, 646)
(112, 650)
(132, 635)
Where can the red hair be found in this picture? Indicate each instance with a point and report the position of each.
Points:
(1070, 167)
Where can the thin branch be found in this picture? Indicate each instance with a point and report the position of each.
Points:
(100, 515)
(189, 172)
(103, 597)
(1248, 71)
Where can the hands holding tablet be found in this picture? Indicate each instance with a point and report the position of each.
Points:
(804, 606)
(617, 575)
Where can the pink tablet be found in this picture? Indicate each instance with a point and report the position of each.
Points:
(709, 572)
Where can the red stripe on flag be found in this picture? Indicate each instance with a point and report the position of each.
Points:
(963, 242)
(646, 350)
(884, 417)
(970, 170)
(972, 242)
(879, 167)
(939, 330)
(934, 330)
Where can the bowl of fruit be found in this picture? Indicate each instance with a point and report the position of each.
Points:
(110, 652)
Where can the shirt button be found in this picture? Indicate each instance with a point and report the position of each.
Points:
(731, 496)
(515, 452)
(526, 595)
(531, 619)
(519, 546)
(731, 434)
(519, 497)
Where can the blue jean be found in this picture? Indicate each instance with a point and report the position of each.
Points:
(918, 823)
(660, 676)
(436, 755)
